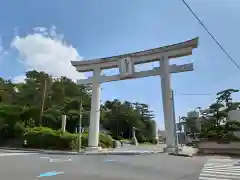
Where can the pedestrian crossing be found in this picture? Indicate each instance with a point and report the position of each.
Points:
(221, 169)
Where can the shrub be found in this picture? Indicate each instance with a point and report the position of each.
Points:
(106, 141)
(84, 141)
(233, 126)
(47, 138)
(19, 129)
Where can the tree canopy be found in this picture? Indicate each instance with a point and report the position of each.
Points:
(214, 119)
(42, 99)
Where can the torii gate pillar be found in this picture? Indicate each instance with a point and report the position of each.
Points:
(167, 104)
(93, 132)
(126, 63)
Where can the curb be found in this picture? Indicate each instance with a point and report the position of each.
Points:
(121, 153)
(12, 148)
(102, 153)
(217, 154)
(60, 153)
(183, 155)
(23, 150)
(108, 152)
(20, 149)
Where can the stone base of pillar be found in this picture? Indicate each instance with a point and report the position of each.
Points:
(135, 141)
(170, 149)
(93, 148)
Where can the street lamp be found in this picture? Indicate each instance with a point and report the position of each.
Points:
(80, 127)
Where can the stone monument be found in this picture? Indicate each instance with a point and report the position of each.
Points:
(134, 139)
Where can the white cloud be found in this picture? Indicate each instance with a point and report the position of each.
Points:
(40, 29)
(19, 79)
(46, 51)
(52, 31)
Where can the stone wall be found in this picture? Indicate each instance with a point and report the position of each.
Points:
(217, 148)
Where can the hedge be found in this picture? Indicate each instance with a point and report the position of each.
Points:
(47, 138)
(105, 140)
(232, 126)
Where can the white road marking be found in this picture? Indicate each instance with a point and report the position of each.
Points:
(60, 160)
(220, 169)
(109, 160)
(208, 178)
(14, 154)
(57, 160)
(44, 157)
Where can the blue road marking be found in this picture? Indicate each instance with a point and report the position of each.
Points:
(48, 174)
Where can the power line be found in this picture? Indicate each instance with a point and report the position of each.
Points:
(216, 41)
(194, 94)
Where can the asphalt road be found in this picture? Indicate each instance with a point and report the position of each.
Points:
(100, 167)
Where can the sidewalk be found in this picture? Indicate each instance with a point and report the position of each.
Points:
(99, 152)
(185, 151)
(30, 150)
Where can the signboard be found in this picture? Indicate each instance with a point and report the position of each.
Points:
(126, 67)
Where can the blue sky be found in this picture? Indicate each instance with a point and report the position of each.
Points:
(46, 35)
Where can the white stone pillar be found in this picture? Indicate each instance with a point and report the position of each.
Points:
(167, 104)
(93, 134)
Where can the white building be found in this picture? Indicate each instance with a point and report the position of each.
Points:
(162, 135)
(194, 115)
(234, 115)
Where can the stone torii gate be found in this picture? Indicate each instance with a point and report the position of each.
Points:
(126, 64)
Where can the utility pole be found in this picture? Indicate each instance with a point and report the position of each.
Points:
(80, 127)
(43, 102)
(174, 123)
(180, 129)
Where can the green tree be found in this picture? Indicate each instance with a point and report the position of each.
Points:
(215, 117)
(42, 99)
(225, 97)
(121, 117)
